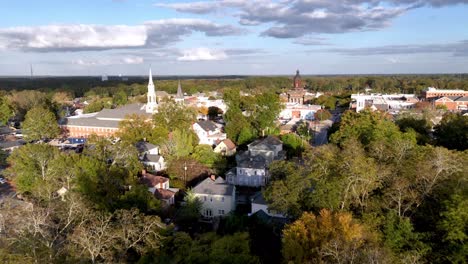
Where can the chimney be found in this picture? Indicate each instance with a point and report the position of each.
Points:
(213, 177)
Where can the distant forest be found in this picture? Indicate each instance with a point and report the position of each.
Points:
(134, 85)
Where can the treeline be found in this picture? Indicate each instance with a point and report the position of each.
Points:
(79, 86)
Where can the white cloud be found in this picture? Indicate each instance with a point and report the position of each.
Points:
(202, 54)
(109, 61)
(81, 37)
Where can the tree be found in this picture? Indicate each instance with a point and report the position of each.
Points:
(6, 111)
(190, 212)
(180, 144)
(452, 131)
(40, 123)
(322, 114)
(173, 116)
(330, 237)
(421, 126)
(136, 128)
(32, 170)
(120, 98)
(368, 127)
(293, 144)
(232, 249)
(284, 193)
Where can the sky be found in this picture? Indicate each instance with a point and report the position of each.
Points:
(233, 37)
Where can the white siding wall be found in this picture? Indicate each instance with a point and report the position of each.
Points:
(216, 204)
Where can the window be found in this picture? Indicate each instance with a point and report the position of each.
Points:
(221, 212)
(222, 199)
(204, 198)
(211, 199)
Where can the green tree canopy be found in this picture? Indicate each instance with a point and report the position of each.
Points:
(40, 123)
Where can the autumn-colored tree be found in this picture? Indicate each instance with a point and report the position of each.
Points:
(330, 237)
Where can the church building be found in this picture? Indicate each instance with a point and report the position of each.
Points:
(106, 122)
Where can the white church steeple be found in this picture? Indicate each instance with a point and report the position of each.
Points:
(151, 104)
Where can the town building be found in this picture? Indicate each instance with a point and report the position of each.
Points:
(225, 147)
(159, 187)
(252, 165)
(208, 132)
(106, 122)
(434, 93)
(306, 112)
(149, 156)
(297, 94)
(453, 103)
(217, 196)
(383, 102)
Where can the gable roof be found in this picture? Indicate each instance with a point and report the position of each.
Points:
(163, 194)
(218, 187)
(229, 144)
(207, 125)
(143, 146)
(268, 142)
(151, 158)
(151, 180)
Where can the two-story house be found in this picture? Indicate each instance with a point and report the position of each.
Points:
(217, 196)
(159, 187)
(149, 156)
(252, 165)
(208, 132)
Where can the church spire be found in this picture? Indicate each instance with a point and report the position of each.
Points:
(180, 95)
(151, 104)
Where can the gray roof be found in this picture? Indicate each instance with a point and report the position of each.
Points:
(259, 199)
(256, 162)
(11, 144)
(268, 142)
(151, 158)
(208, 186)
(122, 112)
(207, 125)
(462, 99)
(90, 122)
(143, 146)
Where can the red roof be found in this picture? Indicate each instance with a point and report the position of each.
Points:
(163, 194)
(229, 144)
(152, 180)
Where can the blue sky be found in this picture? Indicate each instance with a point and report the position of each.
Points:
(254, 37)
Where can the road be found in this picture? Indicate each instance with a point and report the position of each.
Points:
(321, 130)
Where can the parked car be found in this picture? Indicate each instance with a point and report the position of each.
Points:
(2, 180)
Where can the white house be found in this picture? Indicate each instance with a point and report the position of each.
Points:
(252, 165)
(259, 204)
(217, 196)
(208, 132)
(149, 156)
(383, 102)
(159, 187)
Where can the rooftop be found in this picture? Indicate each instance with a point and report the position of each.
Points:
(151, 180)
(217, 187)
(207, 125)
